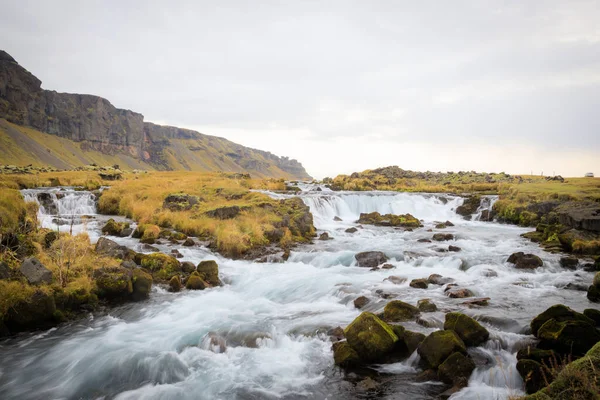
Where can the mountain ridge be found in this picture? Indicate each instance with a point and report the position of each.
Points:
(94, 125)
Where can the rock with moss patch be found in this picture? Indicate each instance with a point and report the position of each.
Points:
(150, 235)
(114, 228)
(141, 284)
(593, 314)
(195, 282)
(456, 369)
(426, 305)
(438, 346)
(189, 242)
(209, 271)
(412, 340)
(162, 266)
(593, 293)
(50, 238)
(175, 284)
(344, 355)
(560, 313)
(113, 283)
(469, 330)
(228, 212)
(469, 206)
(370, 337)
(568, 337)
(188, 267)
(398, 311)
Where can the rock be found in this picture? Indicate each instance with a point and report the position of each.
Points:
(5, 271)
(189, 242)
(534, 375)
(337, 219)
(175, 284)
(418, 283)
(489, 273)
(593, 314)
(456, 370)
(424, 241)
(398, 311)
(387, 266)
(438, 346)
(396, 280)
(539, 355)
(479, 301)
(426, 305)
(115, 228)
(437, 279)
(112, 249)
(209, 271)
(35, 312)
(147, 247)
(361, 301)
(162, 266)
(459, 293)
(412, 340)
(469, 206)
(593, 294)
(429, 375)
(141, 285)
(180, 202)
(126, 232)
(113, 283)
(569, 262)
(454, 248)
(325, 236)
(336, 334)
(560, 313)
(351, 230)
(370, 337)
(568, 337)
(367, 384)
(469, 330)
(525, 261)
(176, 253)
(580, 287)
(188, 267)
(580, 215)
(344, 355)
(50, 238)
(441, 237)
(370, 259)
(404, 220)
(150, 235)
(35, 272)
(195, 282)
(229, 212)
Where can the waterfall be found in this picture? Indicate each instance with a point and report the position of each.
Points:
(61, 206)
(485, 208)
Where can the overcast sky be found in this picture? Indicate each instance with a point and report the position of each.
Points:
(341, 86)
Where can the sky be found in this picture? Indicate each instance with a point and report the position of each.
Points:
(342, 86)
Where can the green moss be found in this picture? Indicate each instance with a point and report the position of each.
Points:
(398, 311)
(370, 337)
(438, 346)
(469, 330)
(560, 313)
(141, 284)
(344, 355)
(162, 266)
(195, 282)
(568, 337)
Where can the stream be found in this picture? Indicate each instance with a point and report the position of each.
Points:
(263, 334)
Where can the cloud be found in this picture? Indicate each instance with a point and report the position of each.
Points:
(341, 86)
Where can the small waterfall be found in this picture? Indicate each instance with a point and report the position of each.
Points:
(349, 205)
(61, 206)
(484, 212)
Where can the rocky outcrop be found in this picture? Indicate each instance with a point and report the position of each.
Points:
(98, 125)
(580, 215)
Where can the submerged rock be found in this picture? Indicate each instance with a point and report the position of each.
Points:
(525, 261)
(351, 230)
(370, 259)
(469, 330)
(370, 337)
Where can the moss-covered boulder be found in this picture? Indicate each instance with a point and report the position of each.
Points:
(150, 235)
(344, 355)
(113, 283)
(175, 284)
(370, 337)
(404, 220)
(114, 228)
(141, 284)
(412, 340)
(593, 293)
(534, 374)
(178, 236)
(539, 355)
(195, 282)
(438, 346)
(209, 271)
(568, 337)
(469, 206)
(469, 330)
(456, 369)
(593, 314)
(560, 313)
(162, 266)
(398, 311)
(426, 305)
(35, 312)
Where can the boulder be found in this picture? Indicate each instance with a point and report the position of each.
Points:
(370, 337)
(469, 206)
(387, 266)
(141, 284)
(459, 293)
(568, 337)
(229, 212)
(426, 305)
(150, 235)
(469, 330)
(398, 311)
(593, 294)
(412, 340)
(580, 215)
(370, 259)
(114, 228)
(175, 253)
(112, 249)
(337, 219)
(404, 220)
(209, 271)
(325, 236)
(351, 230)
(35, 272)
(441, 237)
(569, 262)
(178, 236)
(525, 261)
(438, 346)
(113, 283)
(437, 279)
(593, 314)
(534, 375)
(541, 356)
(175, 284)
(344, 355)
(188, 267)
(162, 266)
(419, 283)
(180, 202)
(560, 313)
(5, 271)
(454, 248)
(189, 242)
(361, 301)
(336, 334)
(456, 369)
(126, 232)
(35, 312)
(195, 282)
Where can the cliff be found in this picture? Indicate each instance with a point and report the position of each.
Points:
(94, 125)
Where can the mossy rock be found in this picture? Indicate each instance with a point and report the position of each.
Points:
(426, 305)
(209, 271)
(151, 233)
(178, 236)
(370, 337)
(344, 355)
(593, 314)
(534, 375)
(541, 356)
(175, 284)
(35, 312)
(469, 330)
(593, 293)
(398, 311)
(403, 220)
(142, 284)
(456, 369)
(560, 313)
(113, 283)
(114, 228)
(195, 282)
(412, 340)
(438, 346)
(162, 266)
(568, 337)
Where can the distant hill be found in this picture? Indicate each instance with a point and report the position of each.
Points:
(64, 130)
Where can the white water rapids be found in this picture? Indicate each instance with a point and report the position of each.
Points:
(262, 335)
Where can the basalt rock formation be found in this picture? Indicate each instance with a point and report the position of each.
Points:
(93, 124)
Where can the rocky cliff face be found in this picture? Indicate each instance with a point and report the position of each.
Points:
(99, 126)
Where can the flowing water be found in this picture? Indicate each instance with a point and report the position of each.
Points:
(263, 334)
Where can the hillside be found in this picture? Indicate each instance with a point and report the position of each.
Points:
(64, 130)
